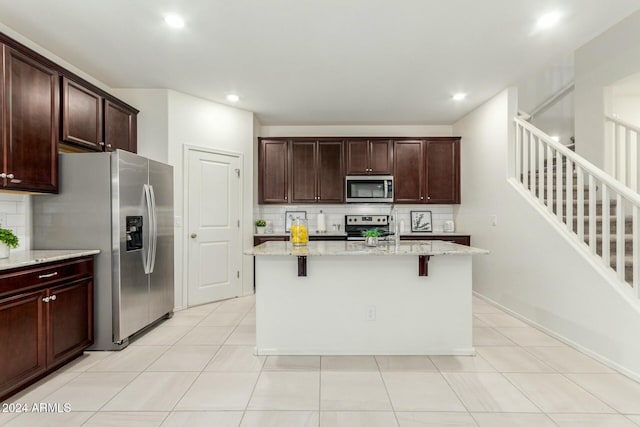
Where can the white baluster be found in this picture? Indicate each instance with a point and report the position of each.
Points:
(533, 164)
(580, 203)
(636, 250)
(620, 229)
(525, 158)
(606, 233)
(518, 153)
(559, 185)
(592, 213)
(541, 161)
(550, 185)
(569, 179)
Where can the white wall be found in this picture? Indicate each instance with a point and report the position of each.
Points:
(198, 122)
(533, 270)
(610, 57)
(153, 120)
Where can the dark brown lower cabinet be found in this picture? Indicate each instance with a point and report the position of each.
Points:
(46, 320)
(460, 239)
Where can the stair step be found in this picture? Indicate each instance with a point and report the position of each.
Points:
(613, 223)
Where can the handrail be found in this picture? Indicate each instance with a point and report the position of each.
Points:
(620, 122)
(584, 163)
(552, 99)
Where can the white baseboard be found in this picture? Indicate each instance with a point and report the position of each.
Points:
(604, 360)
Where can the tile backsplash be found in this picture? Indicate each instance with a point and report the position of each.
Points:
(275, 214)
(15, 215)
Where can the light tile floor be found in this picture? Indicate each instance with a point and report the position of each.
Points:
(198, 369)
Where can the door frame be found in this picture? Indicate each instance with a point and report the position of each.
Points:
(185, 211)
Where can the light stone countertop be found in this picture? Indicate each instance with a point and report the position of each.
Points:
(432, 234)
(311, 233)
(352, 248)
(25, 258)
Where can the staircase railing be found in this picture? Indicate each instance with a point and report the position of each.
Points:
(622, 151)
(581, 197)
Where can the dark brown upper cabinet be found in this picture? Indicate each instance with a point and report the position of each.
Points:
(317, 172)
(92, 122)
(443, 171)
(427, 171)
(30, 106)
(81, 116)
(369, 157)
(273, 171)
(120, 127)
(409, 166)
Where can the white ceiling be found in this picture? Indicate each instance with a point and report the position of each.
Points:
(316, 61)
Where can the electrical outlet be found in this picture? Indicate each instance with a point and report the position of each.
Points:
(371, 313)
(494, 220)
(178, 221)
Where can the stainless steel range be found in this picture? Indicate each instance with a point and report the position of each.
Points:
(356, 224)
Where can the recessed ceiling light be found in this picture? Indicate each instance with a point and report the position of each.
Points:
(459, 96)
(174, 21)
(548, 20)
(233, 98)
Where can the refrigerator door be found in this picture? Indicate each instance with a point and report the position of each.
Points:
(161, 289)
(132, 222)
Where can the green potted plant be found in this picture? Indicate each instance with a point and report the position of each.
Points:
(8, 241)
(371, 236)
(261, 225)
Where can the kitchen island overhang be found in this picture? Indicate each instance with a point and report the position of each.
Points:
(357, 300)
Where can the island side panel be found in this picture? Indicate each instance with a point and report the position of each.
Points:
(326, 312)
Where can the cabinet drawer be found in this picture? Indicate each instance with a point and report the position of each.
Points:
(33, 277)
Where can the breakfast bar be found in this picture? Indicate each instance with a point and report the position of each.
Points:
(345, 298)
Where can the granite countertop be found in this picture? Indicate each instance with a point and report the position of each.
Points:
(349, 248)
(434, 233)
(25, 258)
(312, 233)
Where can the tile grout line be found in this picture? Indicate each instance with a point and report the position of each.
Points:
(386, 389)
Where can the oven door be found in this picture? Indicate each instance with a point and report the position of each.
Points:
(369, 189)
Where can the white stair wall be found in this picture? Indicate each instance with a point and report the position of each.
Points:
(534, 269)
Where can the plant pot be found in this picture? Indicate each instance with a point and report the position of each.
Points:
(371, 241)
(4, 251)
(260, 230)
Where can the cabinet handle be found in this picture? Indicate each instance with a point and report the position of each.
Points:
(53, 297)
(101, 144)
(44, 276)
(421, 198)
(46, 299)
(3, 175)
(10, 176)
(108, 145)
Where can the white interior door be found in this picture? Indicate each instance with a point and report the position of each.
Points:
(215, 241)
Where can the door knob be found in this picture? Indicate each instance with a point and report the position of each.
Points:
(194, 235)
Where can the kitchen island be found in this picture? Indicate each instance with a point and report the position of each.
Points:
(341, 298)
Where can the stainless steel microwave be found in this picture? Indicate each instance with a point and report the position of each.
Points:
(369, 189)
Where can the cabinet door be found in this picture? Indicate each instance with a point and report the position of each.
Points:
(357, 157)
(22, 340)
(30, 124)
(303, 172)
(70, 320)
(120, 127)
(443, 171)
(330, 172)
(81, 116)
(409, 166)
(380, 155)
(273, 172)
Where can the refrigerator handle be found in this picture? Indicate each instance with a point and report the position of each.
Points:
(147, 199)
(155, 229)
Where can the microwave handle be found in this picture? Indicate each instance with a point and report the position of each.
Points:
(386, 184)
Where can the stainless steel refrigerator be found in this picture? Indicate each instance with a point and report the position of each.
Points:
(121, 204)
